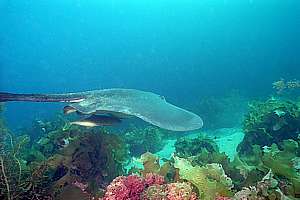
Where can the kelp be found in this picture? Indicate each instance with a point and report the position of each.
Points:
(267, 188)
(92, 156)
(18, 180)
(51, 167)
(142, 140)
(210, 180)
(200, 151)
(284, 164)
(270, 122)
(186, 147)
(151, 164)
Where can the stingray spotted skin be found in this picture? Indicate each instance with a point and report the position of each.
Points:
(147, 106)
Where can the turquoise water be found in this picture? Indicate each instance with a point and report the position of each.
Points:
(184, 50)
(234, 63)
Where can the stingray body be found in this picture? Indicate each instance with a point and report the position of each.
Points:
(147, 106)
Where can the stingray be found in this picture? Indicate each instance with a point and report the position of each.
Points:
(120, 103)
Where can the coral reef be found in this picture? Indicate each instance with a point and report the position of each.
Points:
(151, 164)
(55, 161)
(210, 180)
(178, 191)
(154, 179)
(134, 187)
(200, 151)
(146, 139)
(155, 192)
(267, 188)
(186, 147)
(64, 162)
(122, 187)
(282, 85)
(17, 179)
(42, 127)
(271, 142)
(270, 122)
(283, 163)
(52, 142)
(92, 157)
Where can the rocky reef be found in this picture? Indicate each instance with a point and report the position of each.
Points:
(93, 158)
(149, 188)
(286, 86)
(271, 142)
(141, 140)
(60, 163)
(270, 122)
(200, 151)
(55, 161)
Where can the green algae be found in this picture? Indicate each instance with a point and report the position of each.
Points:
(141, 140)
(43, 168)
(270, 122)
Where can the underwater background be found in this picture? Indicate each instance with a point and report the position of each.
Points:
(235, 63)
(182, 50)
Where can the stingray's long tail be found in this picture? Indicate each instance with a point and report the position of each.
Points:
(71, 97)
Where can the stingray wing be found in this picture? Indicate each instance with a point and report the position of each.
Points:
(147, 106)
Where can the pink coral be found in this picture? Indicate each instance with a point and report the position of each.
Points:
(117, 189)
(152, 179)
(136, 186)
(123, 188)
(180, 191)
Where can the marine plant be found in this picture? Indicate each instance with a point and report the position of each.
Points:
(203, 150)
(268, 128)
(270, 122)
(200, 151)
(154, 192)
(180, 190)
(93, 158)
(152, 165)
(282, 85)
(18, 180)
(186, 147)
(134, 187)
(64, 162)
(248, 168)
(141, 140)
(42, 127)
(267, 188)
(210, 180)
(283, 162)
